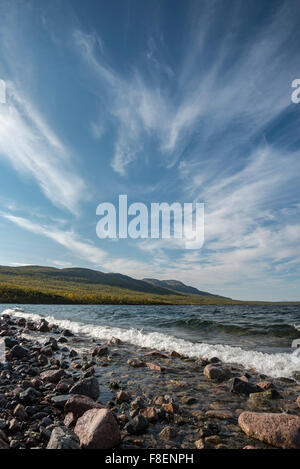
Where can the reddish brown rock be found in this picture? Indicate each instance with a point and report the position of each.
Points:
(298, 401)
(78, 405)
(155, 367)
(199, 444)
(159, 400)
(150, 414)
(122, 396)
(97, 429)
(53, 376)
(249, 447)
(170, 408)
(280, 430)
(266, 385)
(70, 420)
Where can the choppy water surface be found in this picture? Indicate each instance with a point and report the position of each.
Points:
(254, 336)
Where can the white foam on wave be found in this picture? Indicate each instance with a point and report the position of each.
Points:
(274, 365)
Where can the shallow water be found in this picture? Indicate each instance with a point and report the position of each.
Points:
(253, 336)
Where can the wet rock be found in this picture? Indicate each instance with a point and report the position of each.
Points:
(138, 403)
(42, 360)
(99, 351)
(208, 429)
(214, 360)
(150, 414)
(86, 387)
(175, 354)
(154, 367)
(19, 352)
(63, 438)
(266, 385)
(52, 376)
(170, 408)
(265, 395)
(98, 429)
(167, 433)
(159, 400)
(10, 342)
(47, 350)
(249, 447)
(67, 333)
(137, 425)
(157, 353)
(62, 340)
(298, 401)
(78, 405)
(43, 326)
(122, 396)
(216, 373)
(279, 430)
(114, 341)
(114, 385)
(52, 342)
(240, 386)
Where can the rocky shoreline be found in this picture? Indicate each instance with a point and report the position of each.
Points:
(61, 391)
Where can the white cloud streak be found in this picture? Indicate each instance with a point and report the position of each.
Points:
(31, 147)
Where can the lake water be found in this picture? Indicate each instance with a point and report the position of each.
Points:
(254, 336)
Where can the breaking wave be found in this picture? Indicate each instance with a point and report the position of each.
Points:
(273, 365)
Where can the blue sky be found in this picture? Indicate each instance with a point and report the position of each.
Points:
(165, 101)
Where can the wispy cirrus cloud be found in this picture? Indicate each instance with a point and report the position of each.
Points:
(79, 247)
(231, 98)
(31, 147)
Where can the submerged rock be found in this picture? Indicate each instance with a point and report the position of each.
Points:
(155, 367)
(280, 430)
(167, 433)
(137, 425)
(216, 373)
(240, 386)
